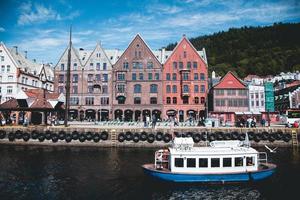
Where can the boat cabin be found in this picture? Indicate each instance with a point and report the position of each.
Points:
(220, 157)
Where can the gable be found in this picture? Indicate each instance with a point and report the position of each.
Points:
(64, 58)
(230, 81)
(98, 55)
(138, 45)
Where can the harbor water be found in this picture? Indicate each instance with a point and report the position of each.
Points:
(42, 172)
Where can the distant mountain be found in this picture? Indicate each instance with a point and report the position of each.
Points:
(252, 50)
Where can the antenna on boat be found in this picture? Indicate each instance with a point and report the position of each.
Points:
(246, 141)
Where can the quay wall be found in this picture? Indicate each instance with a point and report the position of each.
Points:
(142, 137)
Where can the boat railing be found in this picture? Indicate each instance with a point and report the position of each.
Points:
(262, 157)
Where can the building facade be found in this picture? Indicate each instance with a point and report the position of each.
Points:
(229, 98)
(185, 82)
(19, 73)
(137, 85)
(256, 98)
(91, 82)
(269, 97)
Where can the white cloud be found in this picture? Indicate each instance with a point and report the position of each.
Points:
(37, 13)
(2, 29)
(163, 9)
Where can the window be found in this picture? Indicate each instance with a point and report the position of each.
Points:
(149, 65)
(60, 79)
(185, 88)
(153, 100)
(180, 65)
(191, 162)
(10, 78)
(188, 65)
(98, 77)
(125, 65)
(90, 77)
(178, 162)
(196, 88)
(137, 65)
(168, 89)
(75, 89)
(174, 65)
(196, 76)
(185, 100)
(8, 68)
(89, 100)
(174, 76)
(185, 76)
(137, 100)
(184, 54)
(202, 76)
(133, 76)
(120, 88)
(150, 76)
(121, 100)
(174, 100)
(104, 66)
(153, 88)
(227, 162)
(168, 76)
(174, 88)
(60, 89)
(74, 100)
(75, 78)
(98, 66)
(202, 100)
(215, 162)
(9, 90)
(168, 100)
(2, 58)
(137, 88)
(202, 88)
(90, 89)
(250, 161)
(157, 76)
(75, 68)
(195, 65)
(62, 67)
(238, 162)
(105, 77)
(196, 100)
(203, 162)
(104, 100)
(104, 89)
(140, 54)
(141, 76)
(120, 76)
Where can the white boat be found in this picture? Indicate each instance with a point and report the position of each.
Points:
(221, 161)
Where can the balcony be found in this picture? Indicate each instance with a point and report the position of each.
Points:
(120, 94)
(185, 94)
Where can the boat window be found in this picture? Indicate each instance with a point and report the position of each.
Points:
(238, 162)
(178, 162)
(227, 162)
(215, 162)
(203, 162)
(250, 161)
(191, 162)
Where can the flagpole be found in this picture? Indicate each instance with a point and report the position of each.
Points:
(68, 81)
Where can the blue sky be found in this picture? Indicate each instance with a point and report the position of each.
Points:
(41, 26)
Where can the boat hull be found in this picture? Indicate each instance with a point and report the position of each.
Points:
(206, 178)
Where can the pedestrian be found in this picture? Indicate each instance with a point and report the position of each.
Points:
(147, 120)
(263, 122)
(153, 121)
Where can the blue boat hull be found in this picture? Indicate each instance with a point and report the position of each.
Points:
(206, 178)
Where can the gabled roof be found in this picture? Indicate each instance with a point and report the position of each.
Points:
(230, 81)
(135, 38)
(66, 51)
(98, 46)
(191, 45)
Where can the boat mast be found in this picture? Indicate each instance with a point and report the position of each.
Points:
(68, 81)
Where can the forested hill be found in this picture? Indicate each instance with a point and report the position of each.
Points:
(252, 50)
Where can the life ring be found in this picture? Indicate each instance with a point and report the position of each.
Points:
(11, 136)
(82, 137)
(159, 136)
(242, 136)
(265, 135)
(104, 135)
(212, 137)
(18, 134)
(48, 135)
(68, 137)
(189, 134)
(234, 135)
(278, 135)
(136, 137)
(128, 136)
(96, 137)
(54, 138)
(75, 135)
(151, 138)
(121, 137)
(196, 137)
(34, 135)
(89, 136)
(41, 137)
(61, 135)
(204, 136)
(2, 134)
(251, 135)
(219, 135)
(271, 137)
(287, 137)
(227, 136)
(167, 138)
(144, 136)
(26, 136)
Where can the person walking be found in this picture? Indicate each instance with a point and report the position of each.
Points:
(153, 121)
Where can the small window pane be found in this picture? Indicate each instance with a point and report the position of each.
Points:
(191, 162)
(178, 162)
(227, 162)
(203, 162)
(238, 162)
(215, 162)
(250, 161)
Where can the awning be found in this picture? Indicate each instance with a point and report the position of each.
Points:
(104, 111)
(256, 113)
(191, 112)
(239, 113)
(247, 113)
(171, 112)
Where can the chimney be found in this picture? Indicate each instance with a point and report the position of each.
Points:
(16, 49)
(213, 74)
(25, 54)
(34, 60)
(183, 35)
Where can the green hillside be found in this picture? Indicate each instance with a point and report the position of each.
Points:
(252, 50)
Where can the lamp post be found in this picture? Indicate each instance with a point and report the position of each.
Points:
(68, 81)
